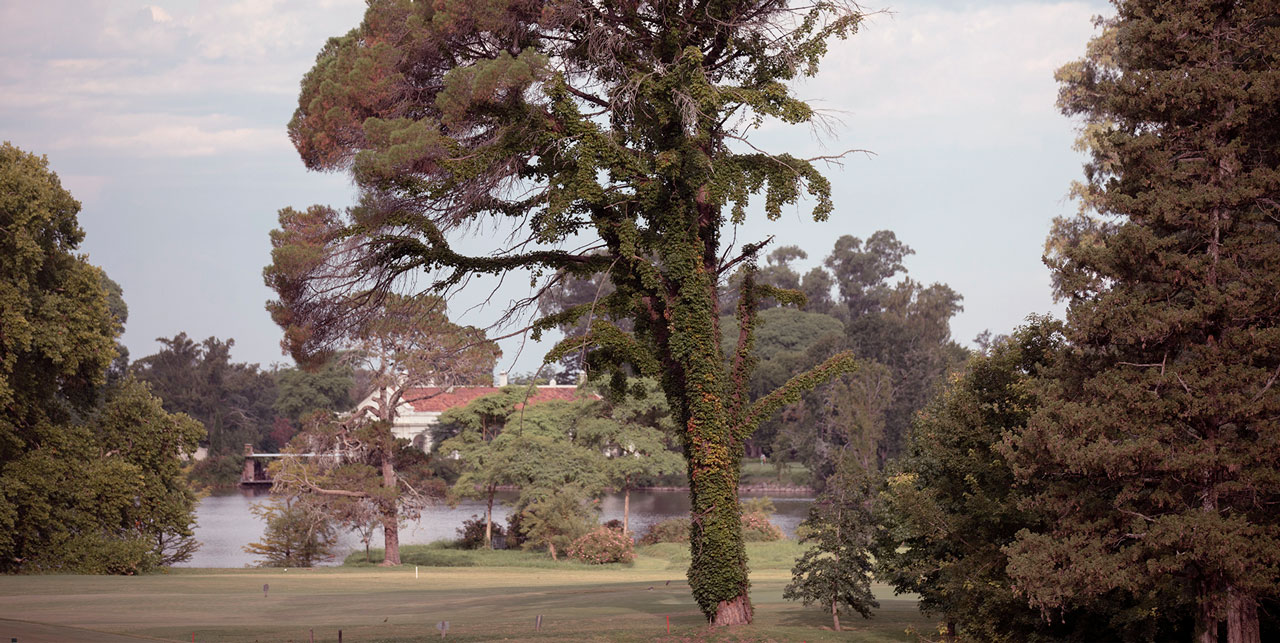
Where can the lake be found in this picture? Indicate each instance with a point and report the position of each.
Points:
(224, 524)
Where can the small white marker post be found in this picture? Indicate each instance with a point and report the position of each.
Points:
(415, 572)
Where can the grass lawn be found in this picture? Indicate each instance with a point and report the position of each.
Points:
(481, 603)
(792, 473)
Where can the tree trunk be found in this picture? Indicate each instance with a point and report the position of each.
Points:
(736, 611)
(835, 616)
(552, 547)
(950, 636)
(1206, 623)
(488, 521)
(626, 509)
(1242, 618)
(391, 535)
(390, 517)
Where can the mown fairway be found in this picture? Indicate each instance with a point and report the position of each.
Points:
(372, 604)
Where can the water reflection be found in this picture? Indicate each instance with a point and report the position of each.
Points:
(225, 524)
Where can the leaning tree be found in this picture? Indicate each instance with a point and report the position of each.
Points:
(612, 138)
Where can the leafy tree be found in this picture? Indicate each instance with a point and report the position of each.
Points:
(557, 519)
(904, 326)
(592, 125)
(634, 434)
(359, 461)
(298, 533)
(232, 400)
(411, 344)
(1157, 436)
(499, 440)
(57, 334)
(844, 418)
(560, 483)
(134, 426)
(301, 392)
(468, 435)
(835, 571)
(89, 474)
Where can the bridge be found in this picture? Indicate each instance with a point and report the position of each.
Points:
(255, 465)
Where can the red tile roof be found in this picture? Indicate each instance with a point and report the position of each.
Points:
(435, 399)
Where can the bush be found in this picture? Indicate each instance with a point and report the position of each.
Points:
(217, 471)
(756, 528)
(675, 530)
(515, 530)
(603, 545)
(471, 533)
(614, 524)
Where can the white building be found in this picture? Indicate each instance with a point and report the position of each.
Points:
(421, 407)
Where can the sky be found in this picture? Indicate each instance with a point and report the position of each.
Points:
(167, 122)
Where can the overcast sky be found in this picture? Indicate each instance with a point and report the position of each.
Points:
(167, 122)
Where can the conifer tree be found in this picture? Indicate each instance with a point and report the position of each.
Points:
(835, 571)
(1158, 439)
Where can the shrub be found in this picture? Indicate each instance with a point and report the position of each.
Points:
(217, 471)
(471, 533)
(675, 530)
(603, 545)
(515, 530)
(756, 528)
(614, 524)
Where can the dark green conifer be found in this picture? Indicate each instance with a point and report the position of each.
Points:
(1158, 442)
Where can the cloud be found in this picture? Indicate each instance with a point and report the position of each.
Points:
(162, 135)
(976, 75)
(167, 78)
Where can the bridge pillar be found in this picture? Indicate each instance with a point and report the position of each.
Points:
(247, 475)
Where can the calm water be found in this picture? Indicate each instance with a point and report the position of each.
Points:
(225, 525)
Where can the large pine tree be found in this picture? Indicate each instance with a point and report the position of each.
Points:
(1158, 445)
(611, 137)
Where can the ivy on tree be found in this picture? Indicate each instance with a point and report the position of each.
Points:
(605, 128)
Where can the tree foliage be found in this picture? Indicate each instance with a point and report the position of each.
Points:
(501, 440)
(232, 400)
(89, 473)
(859, 299)
(635, 435)
(1157, 436)
(298, 533)
(951, 507)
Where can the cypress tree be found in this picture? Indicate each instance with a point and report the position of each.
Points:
(1156, 448)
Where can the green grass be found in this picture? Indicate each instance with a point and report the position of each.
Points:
(793, 473)
(578, 602)
(780, 555)
(446, 553)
